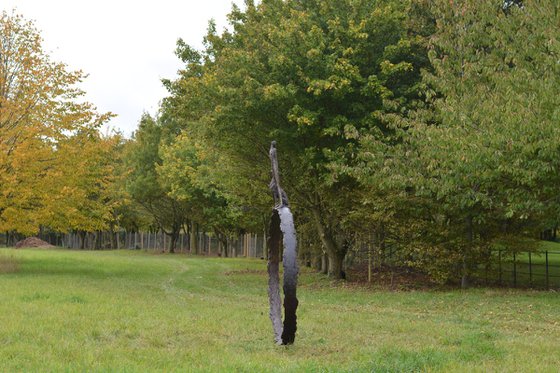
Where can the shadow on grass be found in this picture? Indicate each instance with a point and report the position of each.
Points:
(9, 264)
(90, 269)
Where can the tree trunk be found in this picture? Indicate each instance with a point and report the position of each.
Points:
(222, 242)
(370, 262)
(464, 277)
(335, 266)
(98, 240)
(82, 235)
(173, 240)
(173, 243)
(324, 268)
(335, 252)
(265, 248)
(114, 244)
(174, 237)
(469, 237)
(316, 262)
(227, 245)
(193, 238)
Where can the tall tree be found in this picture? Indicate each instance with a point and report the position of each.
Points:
(144, 185)
(40, 110)
(189, 171)
(310, 75)
(484, 161)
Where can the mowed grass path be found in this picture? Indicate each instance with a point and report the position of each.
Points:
(129, 311)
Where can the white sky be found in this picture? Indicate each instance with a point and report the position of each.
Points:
(125, 46)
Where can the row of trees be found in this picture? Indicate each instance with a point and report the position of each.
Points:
(55, 167)
(311, 75)
(58, 173)
(427, 127)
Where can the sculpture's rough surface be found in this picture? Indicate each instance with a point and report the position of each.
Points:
(282, 233)
(274, 298)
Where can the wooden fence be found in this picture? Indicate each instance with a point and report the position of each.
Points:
(244, 245)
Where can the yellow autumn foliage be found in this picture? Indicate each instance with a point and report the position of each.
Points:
(54, 165)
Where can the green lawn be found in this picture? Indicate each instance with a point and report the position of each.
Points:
(530, 270)
(136, 312)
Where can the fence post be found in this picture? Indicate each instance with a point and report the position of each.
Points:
(530, 271)
(500, 265)
(486, 267)
(265, 248)
(514, 271)
(369, 262)
(547, 281)
(181, 242)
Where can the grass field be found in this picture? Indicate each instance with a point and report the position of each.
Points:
(540, 269)
(129, 311)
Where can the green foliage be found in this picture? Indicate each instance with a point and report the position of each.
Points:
(143, 183)
(481, 160)
(187, 170)
(310, 75)
(426, 128)
(496, 160)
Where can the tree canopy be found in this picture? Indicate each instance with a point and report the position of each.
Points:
(312, 76)
(427, 128)
(46, 130)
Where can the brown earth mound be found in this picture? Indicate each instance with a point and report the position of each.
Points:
(33, 242)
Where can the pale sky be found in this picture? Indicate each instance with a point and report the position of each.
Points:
(125, 46)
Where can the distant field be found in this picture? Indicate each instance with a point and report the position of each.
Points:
(539, 269)
(135, 312)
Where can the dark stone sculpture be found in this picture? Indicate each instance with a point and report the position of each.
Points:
(280, 197)
(282, 230)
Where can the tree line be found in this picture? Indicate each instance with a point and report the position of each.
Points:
(429, 128)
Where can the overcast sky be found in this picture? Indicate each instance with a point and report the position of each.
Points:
(125, 46)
